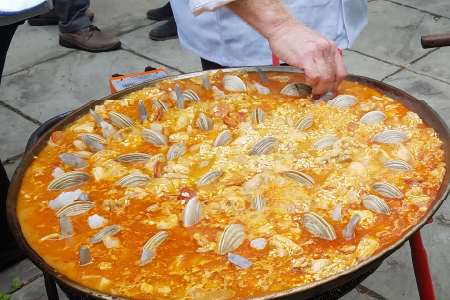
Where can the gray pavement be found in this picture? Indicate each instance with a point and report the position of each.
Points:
(43, 79)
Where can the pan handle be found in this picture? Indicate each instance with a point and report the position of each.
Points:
(434, 41)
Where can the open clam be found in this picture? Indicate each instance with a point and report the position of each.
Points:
(323, 142)
(153, 137)
(190, 95)
(95, 137)
(233, 83)
(176, 151)
(156, 240)
(258, 115)
(264, 146)
(75, 208)
(349, 230)
(159, 103)
(397, 164)
(299, 89)
(302, 178)
(108, 231)
(390, 137)
(318, 226)
(142, 111)
(120, 120)
(92, 144)
(223, 138)
(387, 190)
(376, 204)
(180, 98)
(373, 117)
(304, 123)
(209, 177)
(262, 75)
(68, 180)
(192, 212)
(133, 157)
(258, 202)
(204, 122)
(133, 180)
(343, 101)
(206, 83)
(232, 237)
(85, 256)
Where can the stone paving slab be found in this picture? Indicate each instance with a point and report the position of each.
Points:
(35, 291)
(435, 64)
(169, 52)
(359, 64)
(394, 31)
(441, 8)
(25, 270)
(69, 82)
(14, 133)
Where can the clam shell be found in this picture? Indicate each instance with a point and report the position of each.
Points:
(190, 95)
(204, 122)
(206, 83)
(349, 230)
(302, 178)
(66, 227)
(96, 117)
(83, 153)
(232, 237)
(233, 83)
(258, 202)
(75, 208)
(297, 89)
(304, 123)
(142, 111)
(258, 115)
(318, 226)
(68, 180)
(323, 142)
(373, 117)
(223, 138)
(180, 98)
(209, 177)
(153, 137)
(387, 190)
(203, 164)
(133, 157)
(262, 75)
(92, 144)
(159, 103)
(390, 137)
(95, 137)
(376, 204)
(398, 165)
(85, 256)
(176, 151)
(108, 231)
(263, 146)
(343, 101)
(120, 120)
(133, 180)
(156, 240)
(192, 212)
(73, 161)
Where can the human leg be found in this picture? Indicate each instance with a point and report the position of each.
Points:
(72, 14)
(161, 13)
(209, 65)
(52, 18)
(165, 31)
(6, 34)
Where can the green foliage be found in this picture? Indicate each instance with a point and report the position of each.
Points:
(16, 284)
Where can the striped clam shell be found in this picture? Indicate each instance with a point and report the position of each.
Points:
(156, 240)
(75, 208)
(232, 237)
(258, 115)
(387, 190)
(398, 165)
(297, 89)
(318, 226)
(153, 137)
(302, 178)
(304, 123)
(371, 117)
(258, 202)
(376, 204)
(233, 83)
(264, 146)
(343, 101)
(159, 103)
(68, 180)
(120, 120)
(190, 95)
(133, 180)
(133, 157)
(142, 111)
(204, 122)
(390, 137)
(192, 212)
(223, 138)
(95, 137)
(323, 142)
(176, 151)
(108, 231)
(209, 177)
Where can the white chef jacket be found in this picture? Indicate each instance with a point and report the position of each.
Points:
(12, 11)
(218, 35)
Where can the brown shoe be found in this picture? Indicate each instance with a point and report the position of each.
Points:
(51, 18)
(89, 39)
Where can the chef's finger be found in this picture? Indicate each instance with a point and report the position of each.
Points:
(327, 70)
(312, 74)
(341, 72)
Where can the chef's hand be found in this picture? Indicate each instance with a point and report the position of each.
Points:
(311, 52)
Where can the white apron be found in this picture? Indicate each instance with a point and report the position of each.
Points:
(224, 38)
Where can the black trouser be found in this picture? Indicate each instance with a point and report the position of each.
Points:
(6, 34)
(72, 14)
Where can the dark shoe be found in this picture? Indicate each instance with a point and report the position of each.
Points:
(160, 14)
(89, 39)
(164, 32)
(51, 18)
